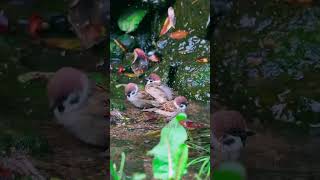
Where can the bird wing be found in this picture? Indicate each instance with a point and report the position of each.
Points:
(167, 91)
(168, 106)
(157, 93)
(161, 112)
(148, 99)
(145, 95)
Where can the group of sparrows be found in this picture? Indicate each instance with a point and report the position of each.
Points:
(80, 106)
(156, 97)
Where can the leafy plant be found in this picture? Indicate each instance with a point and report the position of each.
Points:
(171, 154)
(117, 175)
(204, 171)
(129, 21)
(203, 162)
(230, 171)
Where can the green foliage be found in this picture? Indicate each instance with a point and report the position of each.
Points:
(225, 175)
(117, 104)
(205, 167)
(230, 171)
(171, 154)
(113, 170)
(129, 21)
(139, 176)
(119, 175)
(115, 51)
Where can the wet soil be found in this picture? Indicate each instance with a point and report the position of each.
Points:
(272, 155)
(69, 158)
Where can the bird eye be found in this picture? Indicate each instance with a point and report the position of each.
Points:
(183, 106)
(228, 141)
(60, 108)
(75, 100)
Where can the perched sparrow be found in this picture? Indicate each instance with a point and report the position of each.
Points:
(171, 108)
(228, 136)
(158, 90)
(79, 105)
(139, 98)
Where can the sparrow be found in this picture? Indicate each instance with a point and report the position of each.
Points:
(161, 92)
(79, 105)
(228, 135)
(139, 98)
(171, 108)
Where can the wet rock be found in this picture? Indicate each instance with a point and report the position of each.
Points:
(247, 22)
(264, 24)
(190, 78)
(222, 7)
(290, 60)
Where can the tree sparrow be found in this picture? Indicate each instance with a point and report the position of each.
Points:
(228, 135)
(79, 105)
(171, 108)
(139, 98)
(161, 92)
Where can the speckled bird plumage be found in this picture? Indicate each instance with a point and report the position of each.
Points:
(171, 108)
(139, 98)
(161, 92)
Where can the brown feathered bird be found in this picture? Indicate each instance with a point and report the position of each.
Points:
(171, 108)
(139, 98)
(228, 136)
(79, 105)
(161, 92)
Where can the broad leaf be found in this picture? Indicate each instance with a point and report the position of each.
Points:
(129, 21)
(171, 154)
(113, 172)
(180, 161)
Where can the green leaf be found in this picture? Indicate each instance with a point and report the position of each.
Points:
(180, 161)
(167, 162)
(139, 176)
(123, 158)
(113, 172)
(230, 171)
(129, 21)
